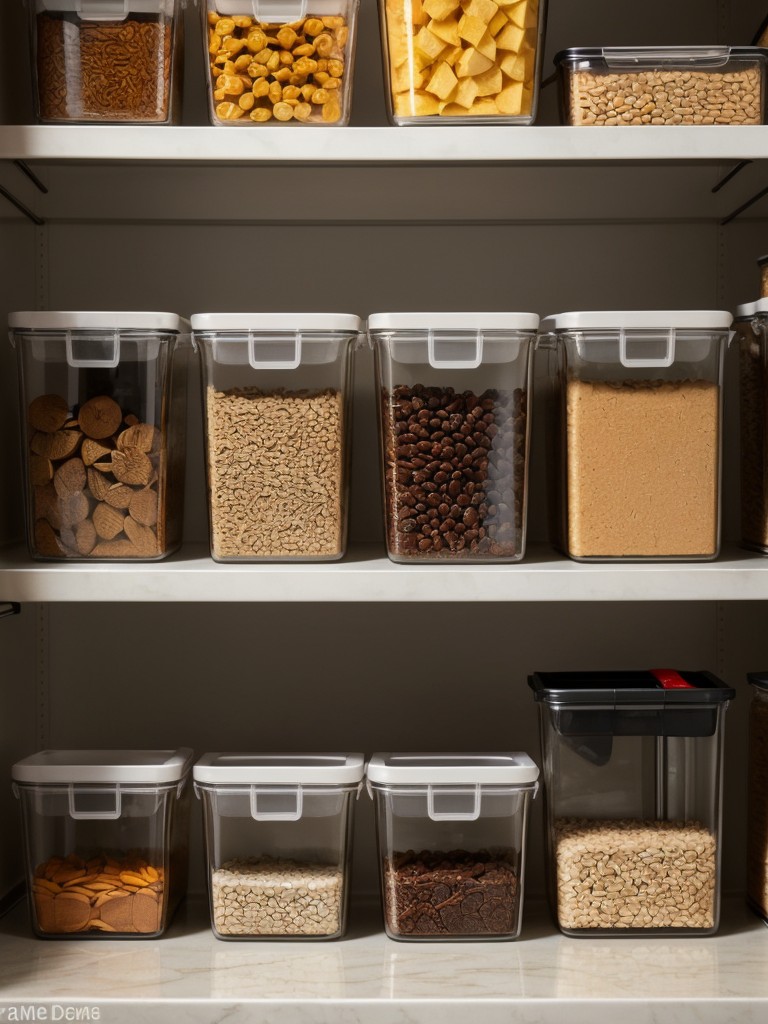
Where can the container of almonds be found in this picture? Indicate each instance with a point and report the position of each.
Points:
(279, 61)
(103, 400)
(105, 838)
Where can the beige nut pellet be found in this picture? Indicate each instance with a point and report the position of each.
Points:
(262, 896)
(757, 813)
(629, 873)
(666, 97)
(275, 461)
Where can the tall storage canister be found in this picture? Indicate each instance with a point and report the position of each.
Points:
(276, 398)
(103, 405)
(633, 765)
(751, 328)
(757, 797)
(106, 840)
(454, 393)
(278, 836)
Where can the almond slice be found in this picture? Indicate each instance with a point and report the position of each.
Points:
(56, 446)
(143, 537)
(98, 484)
(119, 496)
(73, 509)
(46, 542)
(70, 477)
(92, 451)
(85, 537)
(40, 470)
(48, 413)
(132, 466)
(143, 507)
(100, 417)
(107, 521)
(116, 549)
(144, 436)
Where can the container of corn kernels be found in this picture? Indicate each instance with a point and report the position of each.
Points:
(279, 61)
(462, 61)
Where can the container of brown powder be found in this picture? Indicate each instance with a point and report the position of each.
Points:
(639, 435)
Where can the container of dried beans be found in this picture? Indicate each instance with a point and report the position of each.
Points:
(452, 838)
(276, 394)
(106, 61)
(103, 400)
(757, 797)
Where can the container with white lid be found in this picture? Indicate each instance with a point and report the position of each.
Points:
(106, 839)
(639, 434)
(103, 400)
(455, 426)
(278, 836)
(751, 328)
(277, 404)
(452, 835)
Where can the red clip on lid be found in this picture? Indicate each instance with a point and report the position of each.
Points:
(668, 679)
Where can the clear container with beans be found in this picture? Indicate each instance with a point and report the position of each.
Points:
(468, 62)
(666, 85)
(633, 765)
(757, 797)
(106, 840)
(454, 394)
(452, 832)
(751, 330)
(103, 409)
(278, 838)
(637, 438)
(280, 62)
(276, 393)
(107, 61)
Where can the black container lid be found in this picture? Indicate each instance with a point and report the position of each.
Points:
(758, 679)
(654, 687)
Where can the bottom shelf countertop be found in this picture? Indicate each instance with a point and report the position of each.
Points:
(366, 978)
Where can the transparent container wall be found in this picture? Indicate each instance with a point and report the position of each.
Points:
(103, 443)
(473, 62)
(450, 877)
(97, 62)
(278, 862)
(633, 803)
(753, 378)
(757, 804)
(763, 264)
(454, 444)
(639, 444)
(288, 63)
(277, 447)
(105, 861)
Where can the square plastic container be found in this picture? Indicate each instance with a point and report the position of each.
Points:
(633, 766)
(103, 400)
(639, 438)
(455, 426)
(280, 62)
(106, 61)
(106, 840)
(469, 62)
(276, 393)
(278, 836)
(452, 834)
(662, 85)
(757, 797)
(751, 327)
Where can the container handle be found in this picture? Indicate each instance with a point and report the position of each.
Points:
(666, 360)
(111, 814)
(290, 343)
(102, 10)
(292, 815)
(674, 56)
(110, 361)
(470, 363)
(453, 814)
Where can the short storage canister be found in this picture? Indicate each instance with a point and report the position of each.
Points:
(639, 435)
(452, 836)
(106, 840)
(454, 393)
(278, 836)
(757, 797)
(751, 328)
(103, 408)
(276, 392)
(633, 766)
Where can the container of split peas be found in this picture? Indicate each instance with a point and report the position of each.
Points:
(280, 61)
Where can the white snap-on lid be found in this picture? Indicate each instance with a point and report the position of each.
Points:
(752, 309)
(279, 769)
(453, 321)
(108, 10)
(91, 320)
(643, 319)
(125, 766)
(320, 322)
(503, 769)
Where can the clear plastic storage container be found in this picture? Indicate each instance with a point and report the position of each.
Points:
(278, 835)
(757, 797)
(106, 840)
(103, 400)
(662, 85)
(276, 398)
(633, 766)
(107, 61)
(462, 61)
(639, 439)
(454, 418)
(751, 327)
(452, 836)
(280, 61)
(763, 266)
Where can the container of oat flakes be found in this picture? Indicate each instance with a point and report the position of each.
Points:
(662, 85)
(106, 840)
(751, 330)
(279, 62)
(103, 400)
(276, 398)
(638, 442)
(757, 796)
(106, 61)
(278, 837)
(454, 415)
(633, 765)
(452, 831)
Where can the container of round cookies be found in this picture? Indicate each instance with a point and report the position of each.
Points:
(105, 838)
(103, 400)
